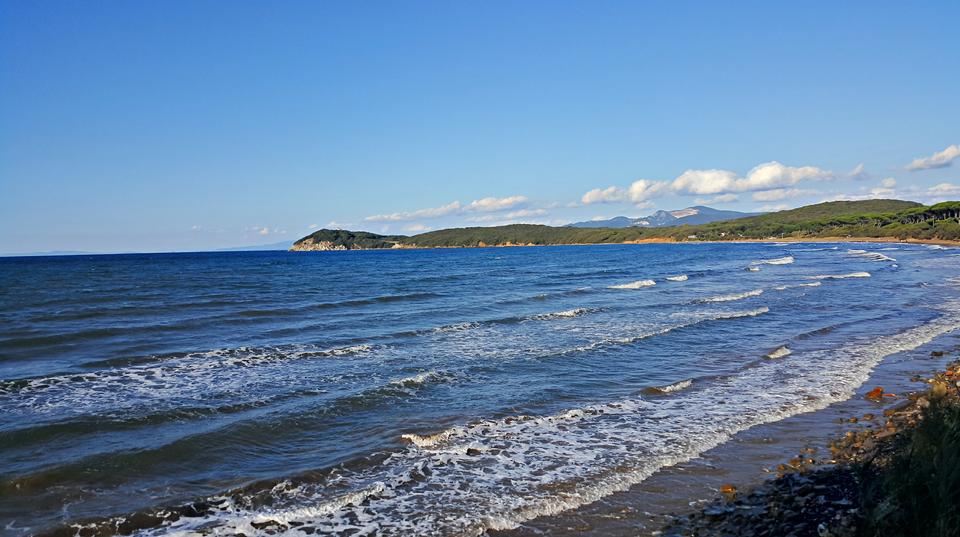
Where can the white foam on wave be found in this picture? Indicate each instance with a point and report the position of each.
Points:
(873, 256)
(639, 284)
(458, 327)
(778, 261)
(560, 461)
(795, 285)
(680, 278)
(839, 276)
(779, 352)
(419, 379)
(752, 268)
(576, 312)
(691, 320)
(677, 386)
(733, 296)
(194, 376)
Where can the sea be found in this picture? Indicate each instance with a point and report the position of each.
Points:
(421, 392)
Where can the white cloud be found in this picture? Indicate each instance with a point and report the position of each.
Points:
(416, 228)
(513, 215)
(433, 212)
(496, 204)
(481, 205)
(644, 189)
(774, 174)
(766, 176)
(858, 173)
(314, 226)
(604, 195)
(639, 192)
(941, 159)
(881, 192)
(704, 182)
(526, 213)
(722, 185)
(722, 198)
(888, 189)
(774, 208)
(264, 230)
(196, 227)
(944, 189)
(781, 194)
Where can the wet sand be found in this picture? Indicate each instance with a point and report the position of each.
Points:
(748, 459)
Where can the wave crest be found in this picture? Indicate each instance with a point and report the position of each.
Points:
(634, 285)
(778, 261)
(873, 256)
(733, 296)
(670, 388)
(779, 352)
(839, 276)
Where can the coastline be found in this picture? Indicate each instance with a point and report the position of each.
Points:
(896, 475)
(748, 461)
(664, 240)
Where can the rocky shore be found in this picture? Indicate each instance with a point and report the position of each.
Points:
(896, 473)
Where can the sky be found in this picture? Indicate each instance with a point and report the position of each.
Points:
(196, 125)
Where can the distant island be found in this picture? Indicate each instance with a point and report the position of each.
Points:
(846, 220)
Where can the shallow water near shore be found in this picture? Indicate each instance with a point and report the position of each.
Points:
(440, 392)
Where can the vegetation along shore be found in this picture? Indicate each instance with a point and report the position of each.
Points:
(897, 475)
(883, 220)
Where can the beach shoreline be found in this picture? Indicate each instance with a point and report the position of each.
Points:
(749, 460)
(662, 240)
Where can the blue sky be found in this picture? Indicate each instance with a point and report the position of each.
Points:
(156, 126)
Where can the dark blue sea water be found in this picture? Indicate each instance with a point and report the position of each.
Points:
(433, 392)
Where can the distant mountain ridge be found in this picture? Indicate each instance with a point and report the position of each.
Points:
(698, 214)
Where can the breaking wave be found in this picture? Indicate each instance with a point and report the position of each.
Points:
(192, 376)
(552, 462)
(576, 312)
(839, 276)
(634, 285)
(670, 388)
(779, 352)
(680, 278)
(873, 256)
(778, 261)
(795, 285)
(732, 297)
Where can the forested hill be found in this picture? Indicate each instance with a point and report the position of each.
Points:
(842, 219)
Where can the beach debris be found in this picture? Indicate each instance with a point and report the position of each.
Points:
(875, 394)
